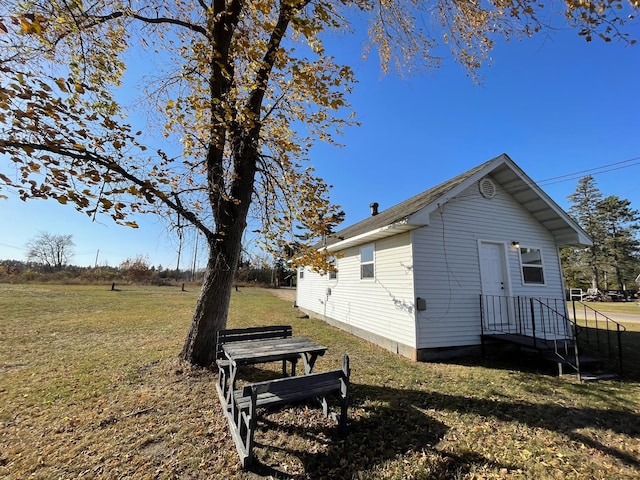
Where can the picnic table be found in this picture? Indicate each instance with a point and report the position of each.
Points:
(239, 405)
(250, 352)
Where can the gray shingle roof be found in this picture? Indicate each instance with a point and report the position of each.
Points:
(403, 209)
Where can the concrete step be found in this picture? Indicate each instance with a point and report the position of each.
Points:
(595, 376)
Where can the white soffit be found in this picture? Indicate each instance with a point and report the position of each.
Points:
(372, 236)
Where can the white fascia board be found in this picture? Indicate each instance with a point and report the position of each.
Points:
(378, 233)
(575, 239)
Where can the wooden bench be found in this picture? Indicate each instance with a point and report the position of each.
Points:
(243, 415)
(241, 335)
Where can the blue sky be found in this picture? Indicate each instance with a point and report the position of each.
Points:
(555, 104)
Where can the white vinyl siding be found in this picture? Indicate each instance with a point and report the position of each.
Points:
(440, 263)
(383, 305)
(446, 263)
(312, 291)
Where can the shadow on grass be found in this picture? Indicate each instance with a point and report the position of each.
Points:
(631, 355)
(510, 357)
(394, 425)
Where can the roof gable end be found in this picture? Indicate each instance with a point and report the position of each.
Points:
(415, 211)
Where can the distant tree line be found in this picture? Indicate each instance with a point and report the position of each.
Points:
(130, 271)
(280, 274)
(613, 261)
(49, 256)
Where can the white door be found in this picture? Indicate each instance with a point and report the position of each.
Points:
(498, 310)
(492, 269)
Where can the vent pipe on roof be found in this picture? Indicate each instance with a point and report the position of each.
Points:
(374, 208)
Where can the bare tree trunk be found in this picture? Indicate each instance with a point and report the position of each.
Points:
(595, 272)
(211, 310)
(224, 253)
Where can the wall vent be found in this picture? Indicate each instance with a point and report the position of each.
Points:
(487, 188)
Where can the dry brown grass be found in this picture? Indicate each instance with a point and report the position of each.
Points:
(90, 388)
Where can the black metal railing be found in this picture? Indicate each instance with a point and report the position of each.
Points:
(543, 320)
(546, 323)
(543, 323)
(597, 332)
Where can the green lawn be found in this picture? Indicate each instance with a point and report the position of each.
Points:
(615, 307)
(90, 388)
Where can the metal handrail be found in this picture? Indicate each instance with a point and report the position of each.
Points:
(533, 317)
(546, 322)
(564, 356)
(610, 327)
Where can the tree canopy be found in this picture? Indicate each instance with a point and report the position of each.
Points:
(241, 90)
(614, 257)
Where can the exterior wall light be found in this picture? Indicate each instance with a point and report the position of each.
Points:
(515, 244)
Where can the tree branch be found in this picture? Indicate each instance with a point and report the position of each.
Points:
(287, 11)
(146, 187)
(99, 19)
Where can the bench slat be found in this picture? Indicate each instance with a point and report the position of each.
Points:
(299, 383)
(292, 390)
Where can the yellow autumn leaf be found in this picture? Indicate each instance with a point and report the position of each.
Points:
(62, 85)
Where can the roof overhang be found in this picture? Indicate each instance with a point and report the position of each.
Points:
(527, 193)
(415, 213)
(373, 235)
(533, 199)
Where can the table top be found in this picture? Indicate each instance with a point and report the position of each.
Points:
(271, 349)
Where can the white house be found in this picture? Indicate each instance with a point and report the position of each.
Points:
(428, 277)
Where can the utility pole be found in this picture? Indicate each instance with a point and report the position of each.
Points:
(195, 256)
(179, 247)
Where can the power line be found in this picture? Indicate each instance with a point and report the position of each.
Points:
(8, 245)
(595, 170)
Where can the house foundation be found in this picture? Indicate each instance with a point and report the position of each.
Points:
(415, 354)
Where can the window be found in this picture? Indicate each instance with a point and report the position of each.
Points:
(301, 273)
(367, 265)
(532, 269)
(333, 274)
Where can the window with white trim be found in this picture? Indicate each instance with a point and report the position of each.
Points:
(367, 263)
(532, 266)
(301, 273)
(333, 274)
